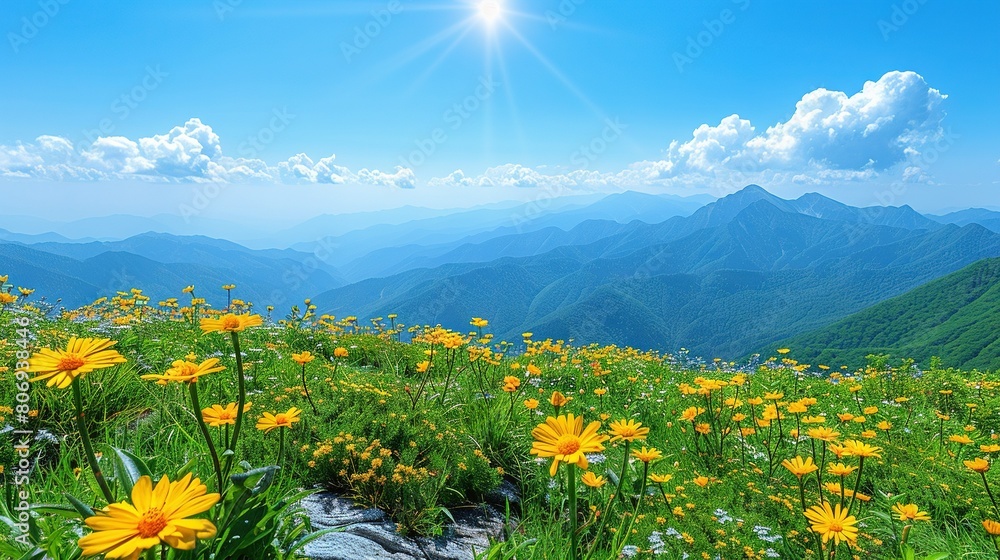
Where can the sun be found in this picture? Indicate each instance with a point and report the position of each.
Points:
(490, 10)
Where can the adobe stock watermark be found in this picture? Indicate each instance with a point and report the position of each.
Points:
(900, 16)
(123, 105)
(255, 143)
(431, 311)
(926, 158)
(32, 25)
(295, 276)
(895, 190)
(205, 193)
(22, 434)
(698, 43)
(588, 153)
(121, 281)
(225, 7)
(365, 34)
(562, 13)
(454, 117)
(202, 196)
(582, 157)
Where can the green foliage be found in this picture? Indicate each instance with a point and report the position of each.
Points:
(954, 318)
(420, 455)
(410, 463)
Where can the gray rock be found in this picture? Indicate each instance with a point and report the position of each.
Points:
(345, 546)
(369, 534)
(385, 535)
(468, 536)
(504, 493)
(326, 509)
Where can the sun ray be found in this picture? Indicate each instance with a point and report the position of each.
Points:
(567, 23)
(340, 8)
(492, 18)
(557, 74)
(420, 48)
(509, 94)
(488, 125)
(441, 57)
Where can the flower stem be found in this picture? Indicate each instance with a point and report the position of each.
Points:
(621, 474)
(642, 488)
(802, 499)
(306, 389)
(842, 482)
(240, 403)
(574, 536)
(281, 445)
(87, 446)
(611, 500)
(857, 484)
(802, 494)
(990, 493)
(193, 389)
(819, 474)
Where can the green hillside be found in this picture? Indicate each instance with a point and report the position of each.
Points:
(956, 318)
(745, 271)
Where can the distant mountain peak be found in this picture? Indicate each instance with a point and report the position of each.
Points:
(727, 207)
(751, 193)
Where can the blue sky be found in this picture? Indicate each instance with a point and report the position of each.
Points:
(554, 96)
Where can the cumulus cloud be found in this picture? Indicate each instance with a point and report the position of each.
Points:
(508, 175)
(190, 152)
(886, 123)
(830, 137)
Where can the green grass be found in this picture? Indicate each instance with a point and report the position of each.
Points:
(953, 318)
(445, 437)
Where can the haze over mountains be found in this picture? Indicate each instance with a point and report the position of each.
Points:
(725, 278)
(83, 260)
(743, 271)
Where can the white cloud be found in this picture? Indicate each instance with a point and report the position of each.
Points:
(191, 152)
(117, 154)
(884, 124)
(711, 146)
(507, 175)
(185, 151)
(830, 137)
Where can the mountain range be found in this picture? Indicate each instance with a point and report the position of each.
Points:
(728, 277)
(161, 265)
(741, 272)
(80, 269)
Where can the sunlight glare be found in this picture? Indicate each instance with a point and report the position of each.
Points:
(490, 10)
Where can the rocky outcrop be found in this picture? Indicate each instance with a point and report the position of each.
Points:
(369, 534)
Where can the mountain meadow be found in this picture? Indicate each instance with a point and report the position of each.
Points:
(629, 376)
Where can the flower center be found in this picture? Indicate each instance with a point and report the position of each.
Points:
(568, 444)
(231, 322)
(70, 362)
(151, 523)
(281, 419)
(836, 527)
